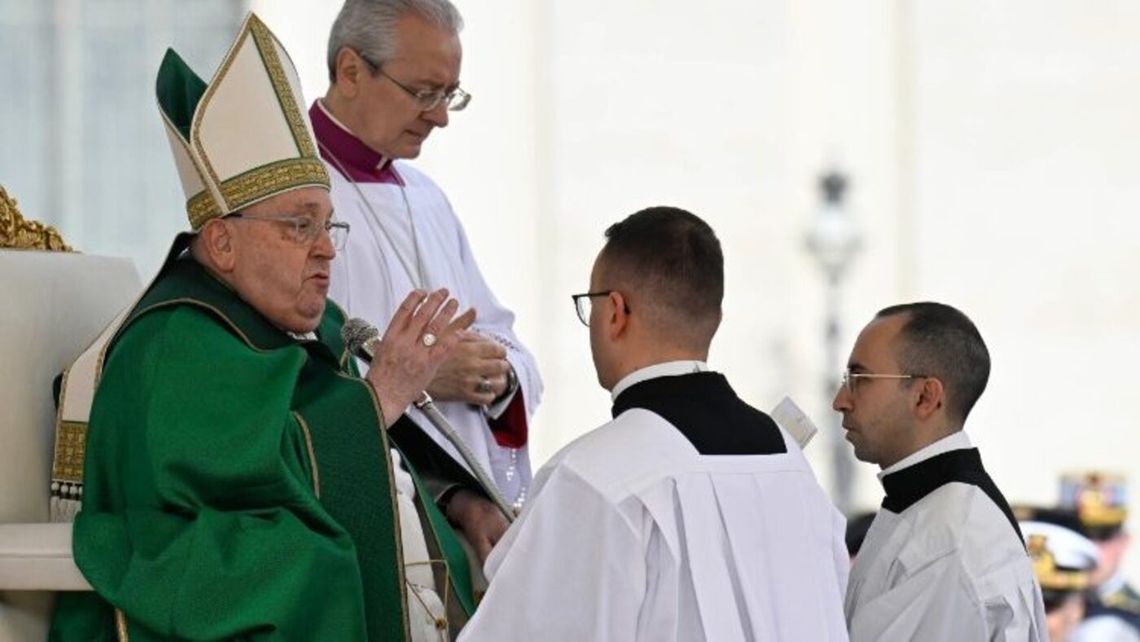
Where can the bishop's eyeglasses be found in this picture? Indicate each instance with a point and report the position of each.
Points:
(427, 99)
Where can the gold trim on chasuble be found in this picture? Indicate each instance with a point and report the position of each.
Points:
(24, 234)
(312, 454)
(403, 577)
(121, 626)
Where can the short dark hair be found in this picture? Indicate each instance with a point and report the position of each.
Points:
(940, 341)
(673, 259)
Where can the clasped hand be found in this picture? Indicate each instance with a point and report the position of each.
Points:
(482, 523)
(475, 372)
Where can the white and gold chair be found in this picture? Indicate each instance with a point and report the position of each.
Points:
(53, 304)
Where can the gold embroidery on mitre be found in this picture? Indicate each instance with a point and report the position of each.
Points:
(255, 185)
(20, 233)
(396, 538)
(201, 208)
(265, 46)
(248, 187)
(1045, 568)
(276, 177)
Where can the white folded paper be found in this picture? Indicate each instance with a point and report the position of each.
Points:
(789, 416)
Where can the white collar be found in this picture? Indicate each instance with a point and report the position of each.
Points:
(958, 440)
(667, 369)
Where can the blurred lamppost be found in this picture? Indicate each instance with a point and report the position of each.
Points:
(834, 240)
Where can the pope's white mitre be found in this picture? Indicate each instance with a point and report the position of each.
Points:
(243, 137)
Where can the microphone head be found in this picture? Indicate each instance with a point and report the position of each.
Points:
(357, 333)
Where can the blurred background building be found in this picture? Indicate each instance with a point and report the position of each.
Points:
(990, 149)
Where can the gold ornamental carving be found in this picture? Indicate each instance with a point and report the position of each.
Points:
(23, 234)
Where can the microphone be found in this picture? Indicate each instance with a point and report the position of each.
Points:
(360, 338)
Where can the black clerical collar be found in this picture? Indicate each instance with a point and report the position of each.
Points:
(704, 408)
(908, 486)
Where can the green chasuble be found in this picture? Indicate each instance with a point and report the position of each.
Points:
(238, 484)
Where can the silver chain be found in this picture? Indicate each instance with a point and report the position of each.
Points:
(417, 279)
(416, 276)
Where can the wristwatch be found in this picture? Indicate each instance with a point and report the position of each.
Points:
(512, 384)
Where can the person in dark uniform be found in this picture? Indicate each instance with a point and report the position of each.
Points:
(1063, 561)
(1100, 502)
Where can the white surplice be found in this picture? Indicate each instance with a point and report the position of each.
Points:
(633, 535)
(949, 568)
(369, 280)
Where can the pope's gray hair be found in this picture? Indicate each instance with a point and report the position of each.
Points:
(369, 26)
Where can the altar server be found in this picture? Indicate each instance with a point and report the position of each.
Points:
(691, 516)
(944, 559)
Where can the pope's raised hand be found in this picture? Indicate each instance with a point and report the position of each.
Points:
(421, 335)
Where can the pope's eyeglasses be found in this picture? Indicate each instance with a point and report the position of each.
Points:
(305, 229)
